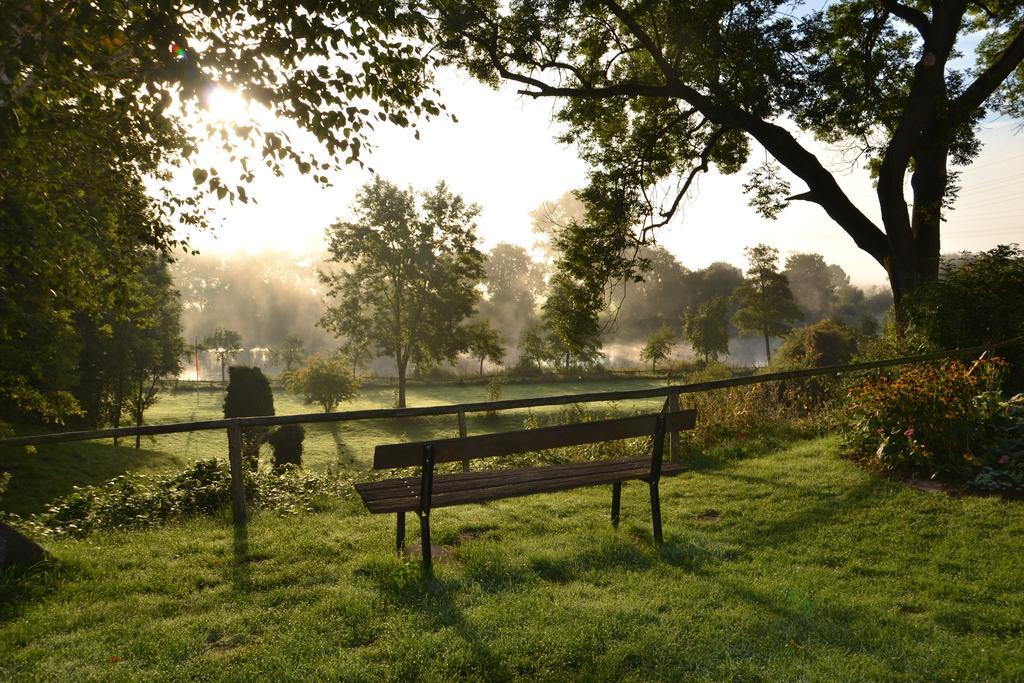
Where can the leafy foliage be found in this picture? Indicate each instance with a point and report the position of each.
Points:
(658, 346)
(656, 93)
(286, 441)
(226, 344)
(94, 99)
(824, 343)
(249, 394)
(291, 353)
(127, 347)
(926, 419)
(570, 321)
(324, 381)
(765, 302)
(1004, 469)
(976, 301)
(203, 488)
(410, 274)
(484, 342)
(706, 329)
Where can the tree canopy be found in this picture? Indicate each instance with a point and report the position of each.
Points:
(93, 101)
(658, 346)
(706, 327)
(484, 342)
(765, 303)
(655, 93)
(407, 276)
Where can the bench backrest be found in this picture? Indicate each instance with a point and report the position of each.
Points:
(410, 454)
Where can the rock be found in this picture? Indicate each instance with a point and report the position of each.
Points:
(17, 551)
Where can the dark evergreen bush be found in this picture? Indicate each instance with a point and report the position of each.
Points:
(287, 444)
(248, 395)
(977, 300)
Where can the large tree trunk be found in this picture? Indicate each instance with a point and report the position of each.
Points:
(767, 348)
(402, 364)
(916, 248)
(138, 414)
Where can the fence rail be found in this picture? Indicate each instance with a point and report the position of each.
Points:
(670, 392)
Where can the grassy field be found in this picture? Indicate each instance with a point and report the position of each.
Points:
(794, 565)
(38, 479)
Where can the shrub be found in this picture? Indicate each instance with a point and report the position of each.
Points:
(1004, 469)
(494, 392)
(826, 342)
(140, 501)
(249, 394)
(325, 381)
(287, 444)
(925, 419)
(975, 301)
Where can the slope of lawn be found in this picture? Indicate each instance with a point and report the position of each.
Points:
(794, 565)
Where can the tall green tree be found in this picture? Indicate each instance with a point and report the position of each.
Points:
(100, 99)
(408, 272)
(127, 348)
(706, 328)
(659, 90)
(226, 344)
(156, 346)
(291, 353)
(484, 342)
(570, 320)
(513, 283)
(765, 303)
(658, 346)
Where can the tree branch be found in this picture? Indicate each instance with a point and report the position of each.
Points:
(992, 77)
(916, 18)
(645, 40)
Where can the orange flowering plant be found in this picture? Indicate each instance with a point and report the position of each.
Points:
(927, 419)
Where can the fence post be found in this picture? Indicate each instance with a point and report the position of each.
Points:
(673, 439)
(237, 474)
(462, 434)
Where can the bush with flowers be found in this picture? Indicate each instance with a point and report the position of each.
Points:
(944, 419)
(1004, 470)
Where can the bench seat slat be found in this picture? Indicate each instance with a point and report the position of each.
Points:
(398, 495)
(450, 483)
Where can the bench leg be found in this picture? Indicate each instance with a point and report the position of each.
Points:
(616, 498)
(400, 532)
(656, 512)
(425, 539)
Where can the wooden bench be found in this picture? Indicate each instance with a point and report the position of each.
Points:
(420, 494)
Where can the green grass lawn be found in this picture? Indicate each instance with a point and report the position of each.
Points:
(38, 479)
(793, 565)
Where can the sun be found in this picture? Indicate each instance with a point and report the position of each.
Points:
(225, 105)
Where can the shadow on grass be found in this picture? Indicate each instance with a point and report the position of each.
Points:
(341, 453)
(241, 577)
(18, 587)
(56, 469)
(794, 616)
(408, 587)
(788, 529)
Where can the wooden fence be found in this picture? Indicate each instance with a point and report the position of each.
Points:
(670, 392)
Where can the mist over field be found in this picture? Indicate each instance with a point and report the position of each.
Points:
(267, 296)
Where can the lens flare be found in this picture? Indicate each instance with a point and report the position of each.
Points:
(179, 52)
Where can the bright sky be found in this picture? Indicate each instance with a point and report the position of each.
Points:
(502, 155)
